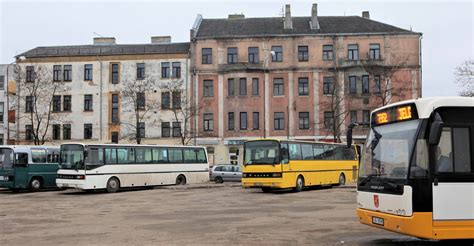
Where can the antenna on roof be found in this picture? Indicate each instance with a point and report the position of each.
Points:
(410, 28)
(282, 12)
(97, 34)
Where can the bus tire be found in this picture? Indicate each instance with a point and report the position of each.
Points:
(299, 184)
(35, 184)
(218, 180)
(113, 185)
(342, 179)
(266, 189)
(181, 180)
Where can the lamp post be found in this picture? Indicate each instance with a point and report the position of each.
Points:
(21, 58)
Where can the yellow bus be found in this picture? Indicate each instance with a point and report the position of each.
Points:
(274, 164)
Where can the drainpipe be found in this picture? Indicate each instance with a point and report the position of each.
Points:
(100, 100)
(419, 63)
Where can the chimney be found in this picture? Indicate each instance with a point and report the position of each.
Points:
(287, 24)
(366, 14)
(104, 41)
(236, 16)
(314, 24)
(161, 39)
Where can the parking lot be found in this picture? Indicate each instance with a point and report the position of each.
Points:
(205, 214)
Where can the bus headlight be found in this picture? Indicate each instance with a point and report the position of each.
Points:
(80, 177)
(6, 178)
(276, 175)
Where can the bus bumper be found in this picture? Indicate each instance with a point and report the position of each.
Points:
(274, 183)
(7, 184)
(72, 184)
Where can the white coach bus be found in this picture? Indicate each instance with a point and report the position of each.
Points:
(416, 174)
(115, 166)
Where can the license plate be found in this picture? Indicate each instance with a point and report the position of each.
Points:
(377, 221)
(258, 184)
(2, 178)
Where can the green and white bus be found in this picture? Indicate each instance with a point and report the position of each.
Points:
(28, 167)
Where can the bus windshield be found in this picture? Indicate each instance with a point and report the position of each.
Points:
(262, 152)
(72, 156)
(387, 151)
(6, 158)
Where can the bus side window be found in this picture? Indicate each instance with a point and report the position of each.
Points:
(295, 151)
(96, 156)
(285, 153)
(328, 152)
(21, 159)
(110, 156)
(318, 152)
(160, 155)
(447, 160)
(176, 155)
(420, 166)
(38, 155)
(201, 156)
(190, 156)
(307, 151)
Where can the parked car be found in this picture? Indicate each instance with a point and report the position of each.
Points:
(221, 173)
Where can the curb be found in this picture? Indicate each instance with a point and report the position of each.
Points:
(203, 186)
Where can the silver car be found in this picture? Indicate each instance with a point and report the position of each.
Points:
(221, 173)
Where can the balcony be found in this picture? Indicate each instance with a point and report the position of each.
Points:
(363, 60)
(241, 67)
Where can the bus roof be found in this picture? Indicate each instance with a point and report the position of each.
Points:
(295, 141)
(132, 145)
(28, 147)
(425, 106)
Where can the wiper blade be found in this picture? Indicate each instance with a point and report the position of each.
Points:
(369, 177)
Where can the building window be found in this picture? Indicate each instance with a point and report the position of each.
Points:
(353, 116)
(67, 103)
(208, 88)
(374, 51)
(277, 54)
(256, 120)
(328, 52)
(365, 83)
(230, 87)
(304, 120)
(176, 69)
(165, 130)
(303, 87)
(88, 72)
(56, 103)
(176, 129)
(165, 69)
(353, 52)
(206, 55)
(243, 86)
(2, 139)
(352, 84)
(2, 111)
(115, 137)
(30, 74)
(67, 73)
(115, 73)
(66, 131)
(366, 116)
(243, 120)
(141, 129)
(253, 55)
(279, 121)
(232, 55)
(378, 89)
(57, 69)
(29, 104)
(2, 82)
(141, 100)
(87, 131)
(328, 120)
(302, 53)
(176, 99)
(328, 85)
(255, 87)
(208, 122)
(140, 70)
(278, 89)
(165, 100)
(56, 132)
(88, 103)
(115, 109)
(28, 132)
(230, 121)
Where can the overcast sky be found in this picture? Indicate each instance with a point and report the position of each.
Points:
(447, 27)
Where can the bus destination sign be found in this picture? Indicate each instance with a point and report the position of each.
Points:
(395, 114)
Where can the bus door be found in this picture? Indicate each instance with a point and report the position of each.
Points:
(453, 183)
(21, 170)
(285, 162)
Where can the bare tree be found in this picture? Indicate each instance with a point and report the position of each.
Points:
(140, 104)
(183, 109)
(35, 93)
(385, 72)
(465, 78)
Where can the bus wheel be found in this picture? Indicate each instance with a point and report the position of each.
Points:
(181, 180)
(113, 185)
(299, 184)
(266, 189)
(218, 180)
(342, 179)
(35, 184)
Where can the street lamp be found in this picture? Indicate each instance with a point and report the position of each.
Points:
(21, 58)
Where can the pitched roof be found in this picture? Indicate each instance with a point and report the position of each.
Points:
(101, 50)
(273, 26)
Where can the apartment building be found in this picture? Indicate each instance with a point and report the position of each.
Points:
(302, 78)
(4, 75)
(108, 92)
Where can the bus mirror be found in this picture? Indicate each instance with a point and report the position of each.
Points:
(435, 130)
(349, 134)
(86, 154)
